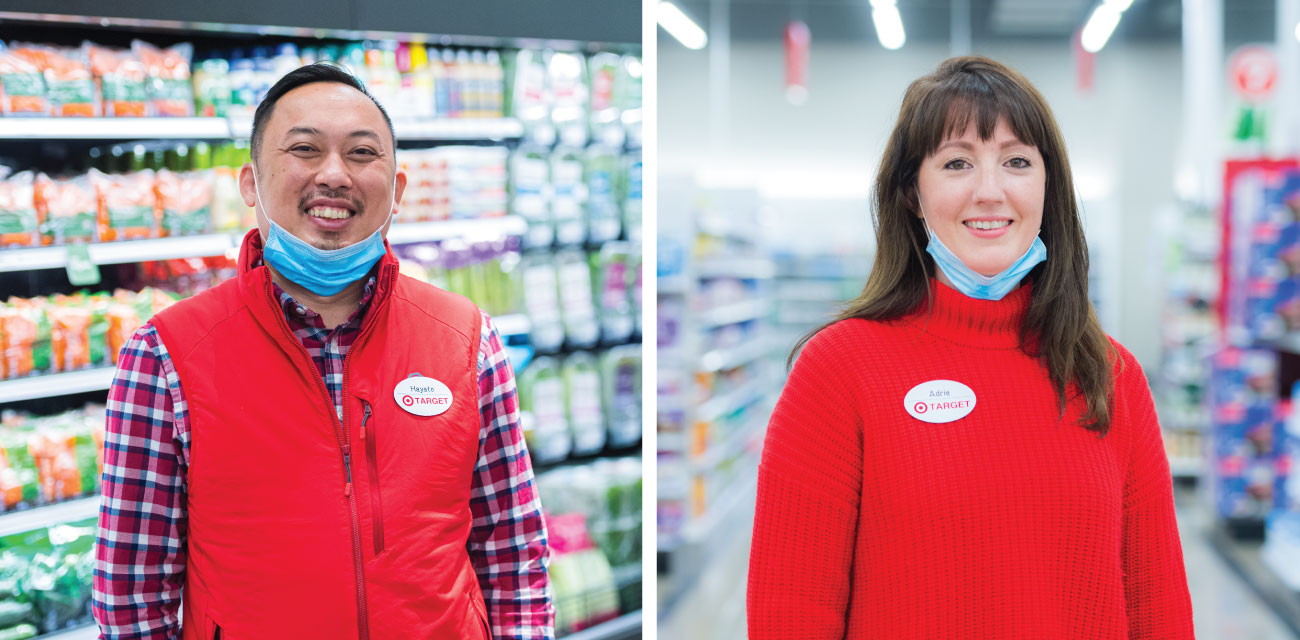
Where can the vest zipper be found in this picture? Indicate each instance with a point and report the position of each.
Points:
(372, 466)
(363, 615)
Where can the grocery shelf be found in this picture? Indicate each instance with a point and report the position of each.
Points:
(743, 268)
(675, 285)
(470, 229)
(215, 244)
(88, 632)
(735, 442)
(449, 129)
(56, 384)
(1243, 555)
(729, 358)
(733, 313)
(625, 627)
(460, 129)
(113, 128)
(1186, 467)
(515, 324)
(789, 315)
(37, 517)
(720, 509)
(731, 401)
(446, 129)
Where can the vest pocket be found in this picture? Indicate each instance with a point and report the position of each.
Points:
(216, 632)
(370, 434)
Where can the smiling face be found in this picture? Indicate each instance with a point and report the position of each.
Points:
(326, 169)
(983, 198)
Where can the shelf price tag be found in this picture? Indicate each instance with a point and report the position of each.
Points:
(82, 271)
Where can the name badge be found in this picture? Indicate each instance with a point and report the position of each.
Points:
(422, 396)
(939, 401)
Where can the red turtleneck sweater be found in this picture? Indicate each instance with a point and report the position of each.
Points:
(1008, 523)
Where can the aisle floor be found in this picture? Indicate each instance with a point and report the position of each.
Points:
(1224, 607)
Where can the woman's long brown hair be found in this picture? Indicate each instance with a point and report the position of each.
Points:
(1060, 328)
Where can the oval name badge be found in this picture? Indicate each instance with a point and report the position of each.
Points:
(939, 401)
(422, 396)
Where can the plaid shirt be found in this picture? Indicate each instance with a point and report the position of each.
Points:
(141, 560)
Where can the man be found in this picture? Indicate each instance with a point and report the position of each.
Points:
(320, 447)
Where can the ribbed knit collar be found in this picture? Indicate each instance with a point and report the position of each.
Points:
(993, 324)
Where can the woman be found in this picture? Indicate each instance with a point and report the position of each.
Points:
(964, 453)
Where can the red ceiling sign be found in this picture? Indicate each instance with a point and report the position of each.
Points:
(1252, 70)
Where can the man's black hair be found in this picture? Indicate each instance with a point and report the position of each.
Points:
(315, 72)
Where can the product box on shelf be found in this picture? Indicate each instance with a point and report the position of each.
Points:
(1244, 412)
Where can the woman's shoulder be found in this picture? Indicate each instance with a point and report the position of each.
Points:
(1126, 365)
(850, 344)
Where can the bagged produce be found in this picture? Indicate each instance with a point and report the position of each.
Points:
(529, 175)
(568, 197)
(168, 78)
(606, 111)
(70, 338)
(603, 216)
(19, 224)
(581, 579)
(185, 202)
(120, 79)
(611, 284)
(56, 465)
(24, 339)
(126, 205)
(69, 84)
(578, 309)
(59, 580)
(542, 302)
(567, 79)
(542, 411)
(22, 86)
(621, 376)
(19, 632)
(69, 209)
(582, 403)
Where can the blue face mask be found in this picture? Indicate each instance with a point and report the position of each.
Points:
(324, 272)
(976, 285)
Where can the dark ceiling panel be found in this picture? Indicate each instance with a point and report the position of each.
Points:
(314, 14)
(615, 21)
(602, 21)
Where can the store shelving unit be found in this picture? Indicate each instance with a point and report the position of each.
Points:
(55, 384)
(716, 370)
(624, 627)
(32, 136)
(69, 511)
(446, 130)
(1190, 330)
(128, 251)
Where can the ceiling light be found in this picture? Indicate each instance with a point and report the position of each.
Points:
(680, 26)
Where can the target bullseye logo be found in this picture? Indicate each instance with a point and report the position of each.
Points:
(939, 401)
(422, 396)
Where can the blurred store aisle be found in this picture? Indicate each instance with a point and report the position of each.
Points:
(1225, 608)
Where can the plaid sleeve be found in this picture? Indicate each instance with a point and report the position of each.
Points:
(507, 544)
(140, 547)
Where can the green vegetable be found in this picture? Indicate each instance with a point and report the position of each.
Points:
(20, 632)
(13, 612)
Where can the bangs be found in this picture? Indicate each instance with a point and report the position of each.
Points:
(959, 100)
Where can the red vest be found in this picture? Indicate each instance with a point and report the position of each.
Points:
(305, 525)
